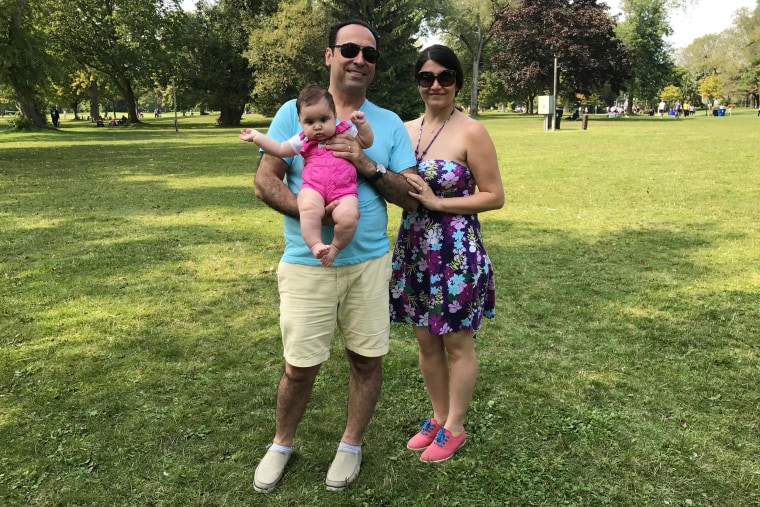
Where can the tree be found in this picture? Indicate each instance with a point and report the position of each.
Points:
(287, 52)
(579, 34)
(72, 90)
(490, 90)
(688, 84)
(711, 86)
(744, 38)
(121, 39)
(643, 33)
(211, 64)
(670, 94)
(23, 63)
(397, 22)
(471, 23)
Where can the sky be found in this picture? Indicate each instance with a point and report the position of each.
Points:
(705, 16)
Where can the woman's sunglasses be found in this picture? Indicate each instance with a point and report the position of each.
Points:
(350, 50)
(445, 78)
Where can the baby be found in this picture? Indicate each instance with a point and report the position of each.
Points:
(326, 178)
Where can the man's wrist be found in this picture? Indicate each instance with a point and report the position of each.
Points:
(379, 173)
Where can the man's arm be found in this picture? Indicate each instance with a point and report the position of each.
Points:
(270, 187)
(394, 187)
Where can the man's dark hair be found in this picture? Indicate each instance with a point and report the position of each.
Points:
(312, 94)
(340, 24)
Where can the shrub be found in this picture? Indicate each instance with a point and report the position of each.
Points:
(19, 122)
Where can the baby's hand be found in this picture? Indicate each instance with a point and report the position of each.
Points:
(249, 135)
(358, 118)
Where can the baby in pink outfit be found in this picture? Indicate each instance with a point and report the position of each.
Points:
(326, 178)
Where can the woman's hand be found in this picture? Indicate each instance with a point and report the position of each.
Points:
(422, 191)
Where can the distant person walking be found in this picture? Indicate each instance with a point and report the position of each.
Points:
(55, 116)
(662, 108)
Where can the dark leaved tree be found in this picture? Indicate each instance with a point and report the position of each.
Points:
(580, 34)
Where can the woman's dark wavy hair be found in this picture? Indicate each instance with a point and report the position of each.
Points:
(442, 55)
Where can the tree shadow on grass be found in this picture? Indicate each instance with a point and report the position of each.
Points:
(600, 337)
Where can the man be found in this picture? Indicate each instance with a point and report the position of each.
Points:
(353, 292)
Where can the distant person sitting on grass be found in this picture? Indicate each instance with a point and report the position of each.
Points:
(326, 178)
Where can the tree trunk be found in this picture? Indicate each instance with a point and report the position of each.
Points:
(629, 107)
(28, 107)
(75, 107)
(476, 55)
(129, 98)
(474, 88)
(230, 116)
(25, 93)
(94, 106)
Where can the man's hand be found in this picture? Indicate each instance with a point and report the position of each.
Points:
(346, 147)
(327, 219)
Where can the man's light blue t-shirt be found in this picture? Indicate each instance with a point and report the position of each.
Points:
(391, 147)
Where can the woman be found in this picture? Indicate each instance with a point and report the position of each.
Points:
(442, 280)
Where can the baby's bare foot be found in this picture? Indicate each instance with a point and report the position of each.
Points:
(320, 250)
(330, 255)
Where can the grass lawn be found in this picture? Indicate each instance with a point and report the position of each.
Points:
(140, 349)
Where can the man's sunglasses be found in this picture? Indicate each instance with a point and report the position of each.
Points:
(445, 78)
(350, 50)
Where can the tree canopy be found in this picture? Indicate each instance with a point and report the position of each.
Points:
(580, 34)
(643, 32)
(23, 60)
(121, 39)
(230, 54)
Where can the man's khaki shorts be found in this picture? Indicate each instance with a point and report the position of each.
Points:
(313, 299)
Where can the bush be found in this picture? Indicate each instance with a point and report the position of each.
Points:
(19, 122)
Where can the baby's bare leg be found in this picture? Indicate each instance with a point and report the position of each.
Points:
(346, 217)
(311, 209)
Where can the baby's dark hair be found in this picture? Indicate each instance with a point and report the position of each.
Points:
(312, 94)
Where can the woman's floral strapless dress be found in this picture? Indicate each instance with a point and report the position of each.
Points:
(442, 277)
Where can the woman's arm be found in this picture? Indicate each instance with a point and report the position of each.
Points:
(482, 161)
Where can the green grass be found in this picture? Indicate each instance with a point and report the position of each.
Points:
(140, 350)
